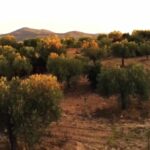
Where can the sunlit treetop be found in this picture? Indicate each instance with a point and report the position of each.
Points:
(52, 41)
(115, 36)
(40, 80)
(53, 55)
(8, 40)
(89, 44)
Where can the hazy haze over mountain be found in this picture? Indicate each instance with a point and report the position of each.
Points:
(29, 33)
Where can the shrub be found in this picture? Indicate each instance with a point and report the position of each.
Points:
(65, 68)
(124, 82)
(27, 107)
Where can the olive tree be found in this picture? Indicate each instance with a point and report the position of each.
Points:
(124, 50)
(33, 55)
(57, 66)
(8, 40)
(12, 63)
(65, 68)
(94, 54)
(27, 107)
(124, 82)
(115, 36)
(145, 49)
(92, 71)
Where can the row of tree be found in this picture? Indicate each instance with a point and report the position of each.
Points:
(29, 104)
(113, 44)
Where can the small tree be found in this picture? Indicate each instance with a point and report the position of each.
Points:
(125, 82)
(119, 49)
(8, 40)
(115, 36)
(69, 42)
(32, 43)
(27, 107)
(33, 55)
(92, 71)
(12, 63)
(65, 68)
(75, 69)
(58, 67)
(50, 44)
(94, 54)
(21, 66)
(145, 49)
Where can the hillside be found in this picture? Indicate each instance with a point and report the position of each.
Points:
(28, 33)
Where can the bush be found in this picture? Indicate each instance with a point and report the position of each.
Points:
(124, 50)
(65, 68)
(94, 54)
(124, 82)
(92, 73)
(13, 64)
(27, 107)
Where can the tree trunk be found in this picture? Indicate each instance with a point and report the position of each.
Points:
(122, 60)
(12, 137)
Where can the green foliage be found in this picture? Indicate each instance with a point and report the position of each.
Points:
(132, 47)
(69, 42)
(101, 36)
(141, 35)
(32, 54)
(12, 63)
(8, 40)
(50, 45)
(119, 50)
(21, 66)
(58, 67)
(81, 40)
(145, 49)
(27, 107)
(105, 42)
(124, 49)
(65, 68)
(115, 36)
(125, 82)
(94, 54)
(92, 72)
(32, 43)
(126, 36)
(140, 79)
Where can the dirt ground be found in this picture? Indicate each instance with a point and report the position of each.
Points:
(90, 122)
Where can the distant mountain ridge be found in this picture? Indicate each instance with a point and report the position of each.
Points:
(29, 33)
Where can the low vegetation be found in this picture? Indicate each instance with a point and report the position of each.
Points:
(34, 72)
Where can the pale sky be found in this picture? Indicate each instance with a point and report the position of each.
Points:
(92, 16)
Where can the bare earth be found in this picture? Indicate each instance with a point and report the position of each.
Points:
(90, 122)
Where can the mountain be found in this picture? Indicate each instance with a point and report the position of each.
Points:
(29, 33)
(75, 34)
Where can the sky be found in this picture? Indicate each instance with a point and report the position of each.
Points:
(91, 16)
